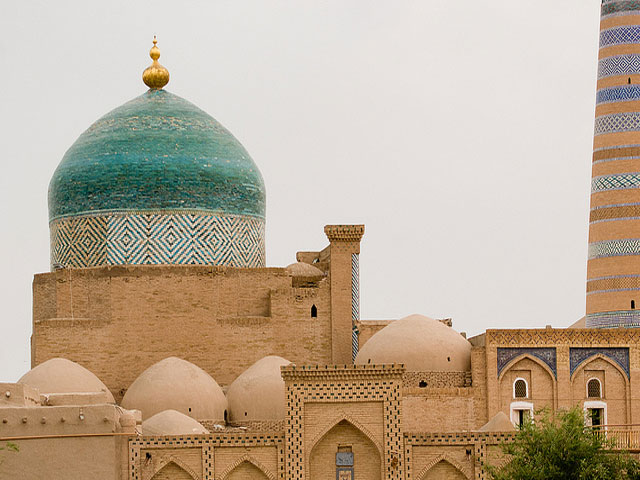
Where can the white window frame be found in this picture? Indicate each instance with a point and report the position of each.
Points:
(515, 407)
(514, 387)
(594, 404)
(586, 386)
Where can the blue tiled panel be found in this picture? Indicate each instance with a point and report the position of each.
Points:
(619, 65)
(622, 318)
(160, 238)
(622, 93)
(614, 248)
(157, 152)
(619, 7)
(626, 34)
(507, 354)
(617, 122)
(620, 181)
(577, 356)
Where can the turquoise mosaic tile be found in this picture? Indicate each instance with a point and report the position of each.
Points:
(622, 318)
(157, 152)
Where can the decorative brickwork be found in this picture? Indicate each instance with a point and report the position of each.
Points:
(344, 233)
(332, 385)
(615, 212)
(609, 154)
(613, 284)
(436, 379)
(619, 65)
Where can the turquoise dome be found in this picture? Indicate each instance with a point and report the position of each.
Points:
(156, 153)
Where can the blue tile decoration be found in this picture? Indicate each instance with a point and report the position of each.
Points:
(614, 248)
(624, 35)
(355, 301)
(157, 180)
(620, 181)
(160, 238)
(621, 93)
(621, 318)
(617, 122)
(618, 7)
(619, 65)
(577, 356)
(546, 354)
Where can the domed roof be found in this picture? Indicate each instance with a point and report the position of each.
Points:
(156, 152)
(259, 393)
(59, 375)
(175, 384)
(421, 343)
(171, 422)
(301, 269)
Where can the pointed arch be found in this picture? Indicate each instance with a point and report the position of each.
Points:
(249, 459)
(176, 461)
(342, 416)
(528, 356)
(442, 458)
(600, 356)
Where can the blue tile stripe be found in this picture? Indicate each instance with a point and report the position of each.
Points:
(622, 318)
(617, 122)
(619, 65)
(619, 7)
(614, 248)
(622, 93)
(157, 239)
(620, 36)
(621, 181)
(507, 354)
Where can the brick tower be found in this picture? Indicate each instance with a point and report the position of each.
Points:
(613, 271)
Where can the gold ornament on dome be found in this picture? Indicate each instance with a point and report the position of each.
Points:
(155, 76)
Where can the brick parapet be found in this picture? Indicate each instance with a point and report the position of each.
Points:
(341, 372)
(344, 233)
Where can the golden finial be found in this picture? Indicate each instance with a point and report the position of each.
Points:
(155, 76)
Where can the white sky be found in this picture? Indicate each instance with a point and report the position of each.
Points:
(459, 132)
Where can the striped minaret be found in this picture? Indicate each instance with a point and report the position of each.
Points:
(613, 269)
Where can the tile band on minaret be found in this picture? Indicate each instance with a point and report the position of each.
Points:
(613, 268)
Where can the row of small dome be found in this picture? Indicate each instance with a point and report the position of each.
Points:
(179, 387)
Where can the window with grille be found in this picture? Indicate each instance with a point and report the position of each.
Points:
(593, 388)
(520, 389)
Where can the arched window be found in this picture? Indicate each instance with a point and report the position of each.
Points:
(594, 389)
(520, 388)
(314, 311)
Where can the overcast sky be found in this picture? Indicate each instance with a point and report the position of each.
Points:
(459, 133)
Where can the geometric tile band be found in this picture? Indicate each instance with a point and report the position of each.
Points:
(157, 239)
(614, 248)
(621, 93)
(623, 318)
(577, 356)
(617, 122)
(614, 284)
(619, 181)
(611, 8)
(355, 303)
(547, 355)
(620, 35)
(615, 212)
(619, 65)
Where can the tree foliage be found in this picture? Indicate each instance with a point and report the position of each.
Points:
(9, 446)
(559, 447)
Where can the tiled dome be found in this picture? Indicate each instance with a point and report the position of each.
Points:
(157, 159)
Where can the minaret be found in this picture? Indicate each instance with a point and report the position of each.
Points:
(613, 269)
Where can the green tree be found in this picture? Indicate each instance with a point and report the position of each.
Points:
(560, 447)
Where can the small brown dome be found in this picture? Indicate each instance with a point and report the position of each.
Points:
(171, 422)
(421, 343)
(258, 394)
(301, 269)
(175, 384)
(59, 375)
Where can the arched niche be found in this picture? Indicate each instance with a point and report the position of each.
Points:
(172, 471)
(367, 461)
(246, 471)
(440, 468)
(614, 386)
(541, 382)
